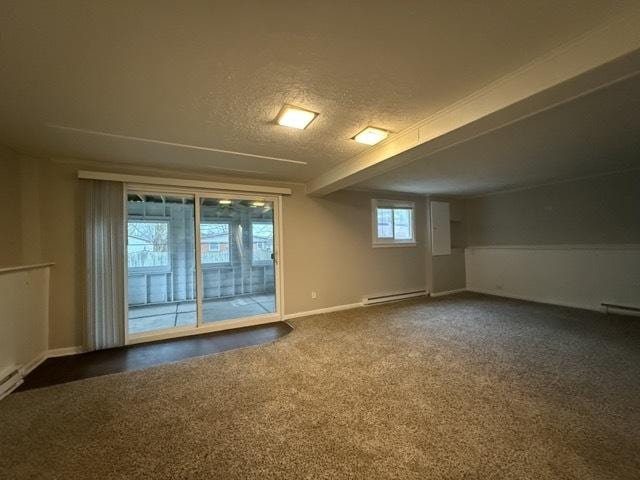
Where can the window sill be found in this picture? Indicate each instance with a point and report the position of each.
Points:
(394, 244)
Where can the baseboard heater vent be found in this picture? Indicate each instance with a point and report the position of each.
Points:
(10, 379)
(624, 309)
(392, 297)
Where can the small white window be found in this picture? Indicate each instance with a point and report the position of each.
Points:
(393, 223)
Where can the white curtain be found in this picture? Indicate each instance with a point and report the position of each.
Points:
(104, 243)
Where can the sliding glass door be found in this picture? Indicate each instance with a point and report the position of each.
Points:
(161, 262)
(236, 258)
(231, 281)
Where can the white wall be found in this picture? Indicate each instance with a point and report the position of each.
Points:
(24, 317)
(578, 276)
(574, 243)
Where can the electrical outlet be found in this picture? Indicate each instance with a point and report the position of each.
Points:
(314, 295)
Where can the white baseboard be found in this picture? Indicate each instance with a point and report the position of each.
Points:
(41, 357)
(33, 364)
(337, 308)
(447, 292)
(10, 382)
(63, 352)
(36, 361)
(499, 293)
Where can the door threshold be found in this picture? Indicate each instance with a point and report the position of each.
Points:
(207, 328)
(54, 371)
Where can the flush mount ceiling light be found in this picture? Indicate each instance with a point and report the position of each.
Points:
(295, 117)
(371, 136)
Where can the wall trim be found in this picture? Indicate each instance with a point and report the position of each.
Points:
(568, 246)
(447, 292)
(32, 364)
(189, 173)
(551, 184)
(63, 352)
(36, 361)
(320, 311)
(174, 182)
(498, 293)
(20, 268)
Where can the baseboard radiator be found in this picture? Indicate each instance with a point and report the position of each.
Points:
(10, 379)
(620, 309)
(392, 297)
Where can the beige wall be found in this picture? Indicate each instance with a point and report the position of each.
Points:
(10, 199)
(24, 317)
(62, 233)
(31, 213)
(327, 245)
(327, 248)
(327, 241)
(599, 210)
(20, 209)
(448, 271)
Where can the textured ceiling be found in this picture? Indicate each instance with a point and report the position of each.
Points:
(215, 74)
(594, 134)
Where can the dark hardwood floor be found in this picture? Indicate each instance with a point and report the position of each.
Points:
(134, 357)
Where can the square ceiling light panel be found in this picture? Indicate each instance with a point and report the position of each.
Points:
(371, 135)
(295, 117)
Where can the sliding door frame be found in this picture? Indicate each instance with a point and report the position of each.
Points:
(201, 326)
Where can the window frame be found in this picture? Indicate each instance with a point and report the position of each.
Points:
(216, 264)
(392, 204)
(158, 269)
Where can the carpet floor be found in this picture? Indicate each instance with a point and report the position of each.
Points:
(460, 387)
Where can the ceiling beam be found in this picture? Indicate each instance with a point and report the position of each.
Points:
(599, 58)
